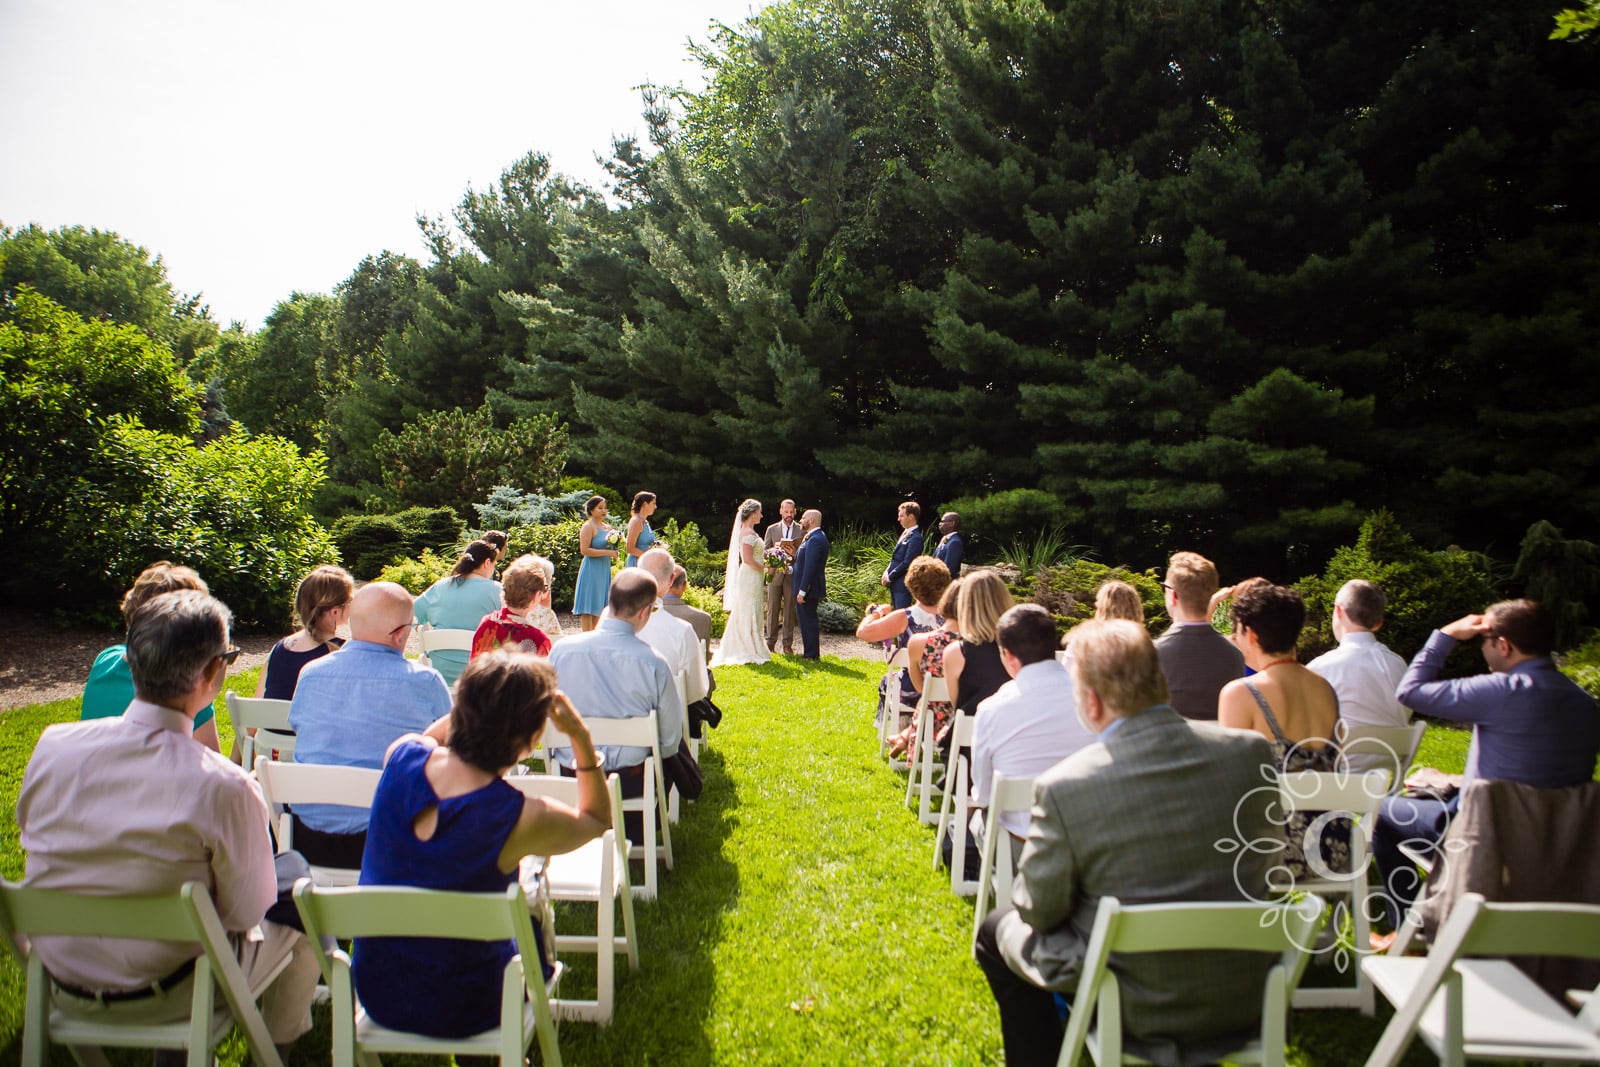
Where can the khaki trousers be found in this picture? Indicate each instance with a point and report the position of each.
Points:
(780, 610)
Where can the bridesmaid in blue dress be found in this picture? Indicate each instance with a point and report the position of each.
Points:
(594, 573)
(640, 536)
(443, 817)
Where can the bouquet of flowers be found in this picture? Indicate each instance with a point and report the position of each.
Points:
(778, 561)
(613, 538)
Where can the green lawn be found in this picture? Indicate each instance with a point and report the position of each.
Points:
(803, 920)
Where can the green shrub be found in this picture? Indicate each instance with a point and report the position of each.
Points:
(436, 528)
(1425, 589)
(1067, 591)
(1582, 665)
(688, 546)
(709, 602)
(557, 542)
(417, 574)
(1047, 548)
(856, 560)
(835, 618)
(589, 487)
(369, 543)
(1001, 517)
(455, 457)
(235, 510)
(1560, 574)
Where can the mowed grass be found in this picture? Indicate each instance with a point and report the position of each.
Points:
(803, 920)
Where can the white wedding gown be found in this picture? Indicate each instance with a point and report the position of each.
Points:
(741, 638)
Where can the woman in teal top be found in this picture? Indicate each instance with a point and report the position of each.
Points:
(109, 689)
(640, 536)
(459, 602)
(595, 541)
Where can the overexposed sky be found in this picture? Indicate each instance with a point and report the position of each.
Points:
(261, 148)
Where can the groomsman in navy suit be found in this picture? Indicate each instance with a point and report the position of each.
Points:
(810, 585)
(908, 548)
(951, 547)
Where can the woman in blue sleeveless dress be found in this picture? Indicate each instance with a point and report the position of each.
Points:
(595, 544)
(1291, 706)
(443, 817)
(640, 536)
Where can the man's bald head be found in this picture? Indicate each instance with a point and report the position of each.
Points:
(377, 610)
(657, 563)
(812, 519)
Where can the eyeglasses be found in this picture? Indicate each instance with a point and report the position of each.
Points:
(1167, 587)
(403, 627)
(229, 654)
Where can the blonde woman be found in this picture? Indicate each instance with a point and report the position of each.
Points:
(972, 667)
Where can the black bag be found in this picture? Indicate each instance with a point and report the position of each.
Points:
(682, 772)
(703, 711)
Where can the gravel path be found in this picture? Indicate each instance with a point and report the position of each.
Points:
(41, 662)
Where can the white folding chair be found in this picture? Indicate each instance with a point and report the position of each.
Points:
(433, 639)
(996, 873)
(595, 874)
(889, 724)
(954, 813)
(270, 721)
(639, 732)
(286, 784)
(1182, 927)
(186, 914)
(1356, 798)
(1486, 1008)
(406, 911)
(1390, 748)
(924, 755)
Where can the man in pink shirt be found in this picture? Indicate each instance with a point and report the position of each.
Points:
(131, 805)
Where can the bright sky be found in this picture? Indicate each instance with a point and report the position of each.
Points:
(261, 148)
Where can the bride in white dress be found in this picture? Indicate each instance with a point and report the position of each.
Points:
(741, 592)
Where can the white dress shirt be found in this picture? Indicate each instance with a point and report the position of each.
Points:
(677, 642)
(1365, 675)
(1029, 725)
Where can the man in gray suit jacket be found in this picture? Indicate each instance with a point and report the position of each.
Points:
(1138, 817)
(1196, 659)
(672, 602)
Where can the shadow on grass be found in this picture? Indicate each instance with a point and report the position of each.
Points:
(793, 668)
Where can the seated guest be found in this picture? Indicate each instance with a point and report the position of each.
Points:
(444, 817)
(321, 606)
(1288, 705)
(1136, 817)
(1363, 672)
(459, 601)
(671, 636)
(109, 689)
(926, 660)
(609, 672)
(925, 579)
(1196, 659)
(498, 539)
(543, 615)
(348, 709)
(158, 811)
(972, 666)
(673, 603)
(526, 588)
(1118, 600)
(1532, 725)
(1028, 725)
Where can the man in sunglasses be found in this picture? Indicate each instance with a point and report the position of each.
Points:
(350, 705)
(156, 811)
(1531, 724)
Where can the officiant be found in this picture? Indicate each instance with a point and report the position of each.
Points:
(785, 534)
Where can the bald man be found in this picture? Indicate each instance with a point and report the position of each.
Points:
(670, 635)
(350, 705)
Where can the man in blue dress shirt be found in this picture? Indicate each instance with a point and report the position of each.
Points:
(1532, 725)
(908, 548)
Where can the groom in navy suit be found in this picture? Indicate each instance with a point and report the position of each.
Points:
(810, 586)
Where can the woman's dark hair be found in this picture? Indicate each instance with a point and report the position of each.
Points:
(1276, 614)
(592, 503)
(640, 499)
(497, 538)
(502, 700)
(472, 557)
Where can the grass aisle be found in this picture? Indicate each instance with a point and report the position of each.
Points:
(804, 921)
